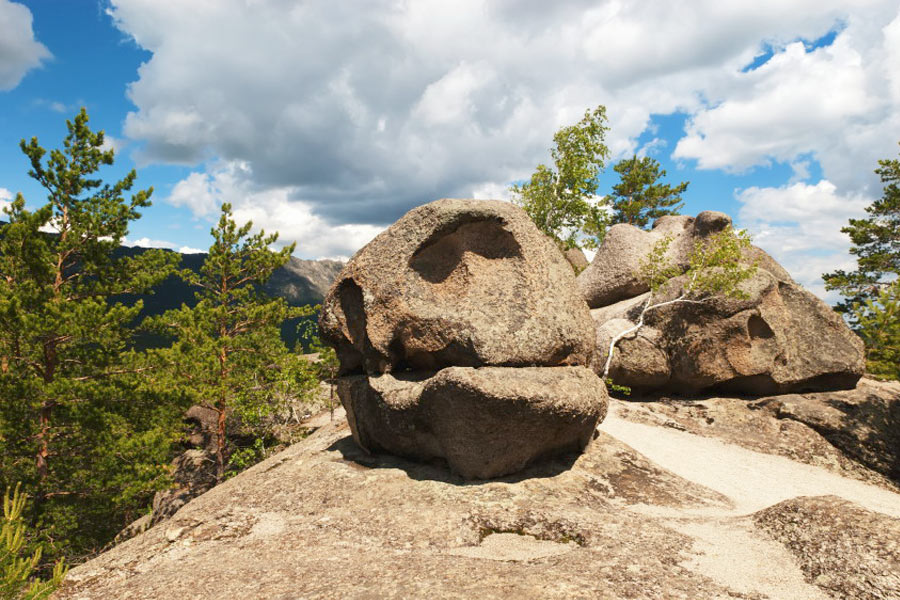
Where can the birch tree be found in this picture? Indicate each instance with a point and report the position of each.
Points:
(715, 268)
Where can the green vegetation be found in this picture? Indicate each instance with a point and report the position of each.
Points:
(17, 565)
(715, 268)
(562, 200)
(76, 427)
(870, 292)
(639, 199)
(227, 351)
(878, 323)
(89, 422)
(557, 198)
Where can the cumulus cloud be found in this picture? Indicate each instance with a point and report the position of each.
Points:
(271, 209)
(345, 116)
(5, 197)
(800, 225)
(146, 242)
(19, 50)
(831, 103)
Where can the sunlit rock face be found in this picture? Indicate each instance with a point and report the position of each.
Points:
(464, 283)
(779, 338)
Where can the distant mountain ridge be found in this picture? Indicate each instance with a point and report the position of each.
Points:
(300, 282)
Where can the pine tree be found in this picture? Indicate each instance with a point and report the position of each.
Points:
(73, 426)
(227, 349)
(17, 563)
(875, 243)
(870, 292)
(639, 198)
(878, 324)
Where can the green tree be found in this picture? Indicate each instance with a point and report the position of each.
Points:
(715, 268)
(875, 243)
(227, 351)
(639, 198)
(17, 567)
(558, 198)
(73, 426)
(870, 291)
(878, 324)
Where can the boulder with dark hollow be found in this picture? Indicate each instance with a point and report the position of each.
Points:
(457, 283)
(778, 339)
(461, 336)
(485, 422)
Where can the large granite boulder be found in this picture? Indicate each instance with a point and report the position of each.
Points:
(485, 422)
(613, 274)
(460, 334)
(778, 339)
(457, 283)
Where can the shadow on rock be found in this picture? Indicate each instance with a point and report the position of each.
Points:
(438, 470)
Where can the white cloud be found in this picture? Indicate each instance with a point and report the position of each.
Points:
(19, 50)
(146, 242)
(337, 113)
(800, 226)
(271, 209)
(5, 197)
(830, 104)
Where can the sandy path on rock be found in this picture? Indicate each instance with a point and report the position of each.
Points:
(752, 480)
(727, 547)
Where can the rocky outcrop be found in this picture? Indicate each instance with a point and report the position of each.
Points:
(464, 283)
(863, 423)
(613, 274)
(854, 433)
(577, 259)
(460, 335)
(846, 550)
(484, 422)
(194, 470)
(778, 338)
(325, 519)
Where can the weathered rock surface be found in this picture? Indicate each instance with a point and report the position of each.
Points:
(454, 285)
(577, 259)
(613, 274)
(457, 283)
(779, 339)
(485, 422)
(324, 519)
(848, 551)
(863, 423)
(853, 433)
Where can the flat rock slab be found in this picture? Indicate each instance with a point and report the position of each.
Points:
(485, 422)
(513, 547)
(324, 519)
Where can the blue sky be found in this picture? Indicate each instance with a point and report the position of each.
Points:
(326, 122)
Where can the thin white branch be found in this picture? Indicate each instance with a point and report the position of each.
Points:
(647, 308)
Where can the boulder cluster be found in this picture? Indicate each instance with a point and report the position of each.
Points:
(461, 335)
(779, 338)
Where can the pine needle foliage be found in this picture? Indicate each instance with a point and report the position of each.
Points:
(875, 243)
(17, 565)
(870, 291)
(73, 426)
(639, 199)
(227, 353)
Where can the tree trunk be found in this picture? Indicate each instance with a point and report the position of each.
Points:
(220, 444)
(43, 444)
